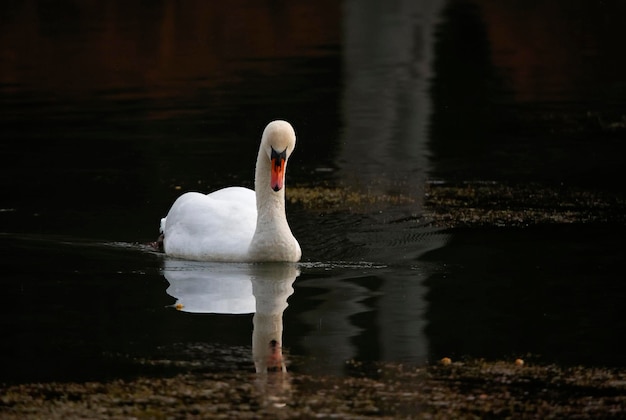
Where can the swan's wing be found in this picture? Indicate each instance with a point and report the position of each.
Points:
(217, 226)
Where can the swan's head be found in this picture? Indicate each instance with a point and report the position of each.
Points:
(278, 141)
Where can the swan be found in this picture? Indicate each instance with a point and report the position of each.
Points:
(236, 224)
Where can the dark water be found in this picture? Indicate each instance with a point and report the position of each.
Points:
(110, 110)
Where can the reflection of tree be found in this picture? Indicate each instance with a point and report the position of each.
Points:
(465, 88)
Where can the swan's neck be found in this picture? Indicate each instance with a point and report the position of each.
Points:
(272, 240)
(270, 204)
(267, 339)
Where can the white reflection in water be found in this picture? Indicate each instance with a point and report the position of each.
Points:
(388, 50)
(210, 288)
(220, 288)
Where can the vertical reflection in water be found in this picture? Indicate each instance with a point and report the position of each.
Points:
(332, 330)
(271, 285)
(217, 288)
(402, 299)
(369, 311)
(388, 51)
(387, 57)
(466, 91)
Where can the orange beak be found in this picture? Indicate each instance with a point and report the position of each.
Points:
(275, 358)
(279, 160)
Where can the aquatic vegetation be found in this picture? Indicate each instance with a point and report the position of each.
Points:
(475, 203)
(343, 198)
(498, 204)
(475, 388)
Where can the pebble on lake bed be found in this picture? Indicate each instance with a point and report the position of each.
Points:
(445, 361)
(519, 362)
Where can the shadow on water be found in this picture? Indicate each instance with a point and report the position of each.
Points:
(530, 105)
(468, 105)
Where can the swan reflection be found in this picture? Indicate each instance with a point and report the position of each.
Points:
(262, 289)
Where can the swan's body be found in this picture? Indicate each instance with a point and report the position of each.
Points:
(235, 223)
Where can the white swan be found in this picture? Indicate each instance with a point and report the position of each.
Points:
(236, 223)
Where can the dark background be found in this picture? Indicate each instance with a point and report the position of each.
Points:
(110, 110)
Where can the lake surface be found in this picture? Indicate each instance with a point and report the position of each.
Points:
(110, 111)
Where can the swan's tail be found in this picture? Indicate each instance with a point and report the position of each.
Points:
(162, 227)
